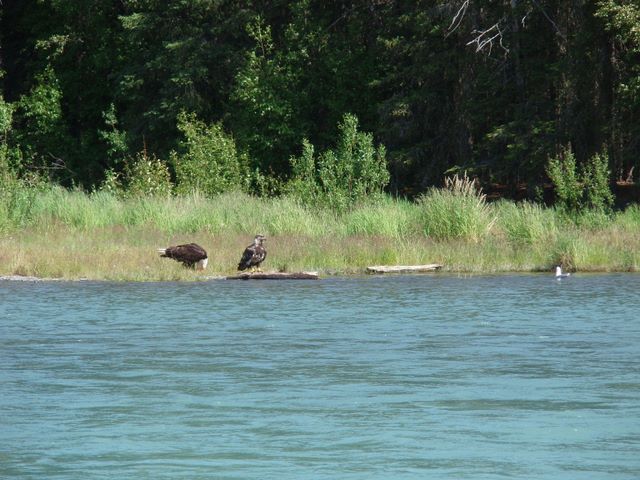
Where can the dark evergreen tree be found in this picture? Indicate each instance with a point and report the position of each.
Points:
(492, 88)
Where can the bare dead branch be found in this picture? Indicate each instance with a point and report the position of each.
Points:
(487, 37)
(457, 19)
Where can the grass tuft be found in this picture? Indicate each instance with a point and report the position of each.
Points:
(457, 211)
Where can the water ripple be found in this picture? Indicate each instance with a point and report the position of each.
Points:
(429, 376)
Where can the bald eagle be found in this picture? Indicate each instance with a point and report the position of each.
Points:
(254, 254)
(190, 255)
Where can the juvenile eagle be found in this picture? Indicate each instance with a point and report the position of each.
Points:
(254, 254)
(190, 254)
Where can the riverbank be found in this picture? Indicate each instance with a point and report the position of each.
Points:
(120, 254)
(72, 235)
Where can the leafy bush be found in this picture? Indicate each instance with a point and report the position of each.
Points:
(267, 91)
(113, 137)
(210, 163)
(6, 119)
(597, 190)
(147, 176)
(112, 183)
(40, 128)
(339, 178)
(304, 184)
(581, 189)
(17, 189)
(565, 178)
(459, 210)
(265, 185)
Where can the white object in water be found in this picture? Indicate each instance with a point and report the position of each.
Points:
(559, 273)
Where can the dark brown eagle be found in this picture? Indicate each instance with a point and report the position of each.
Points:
(254, 254)
(191, 255)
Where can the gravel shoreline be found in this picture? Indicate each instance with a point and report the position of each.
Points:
(23, 278)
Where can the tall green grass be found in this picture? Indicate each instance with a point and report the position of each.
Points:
(457, 211)
(525, 223)
(55, 232)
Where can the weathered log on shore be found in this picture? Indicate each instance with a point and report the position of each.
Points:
(276, 276)
(404, 268)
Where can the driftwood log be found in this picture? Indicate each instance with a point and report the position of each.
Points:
(404, 268)
(276, 276)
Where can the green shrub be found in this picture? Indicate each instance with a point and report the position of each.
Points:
(356, 167)
(342, 177)
(17, 192)
(562, 172)
(587, 188)
(210, 163)
(6, 121)
(265, 185)
(40, 128)
(147, 176)
(595, 175)
(113, 137)
(112, 183)
(304, 184)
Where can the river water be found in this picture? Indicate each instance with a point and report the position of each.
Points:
(434, 376)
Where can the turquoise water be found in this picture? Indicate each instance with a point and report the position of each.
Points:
(518, 376)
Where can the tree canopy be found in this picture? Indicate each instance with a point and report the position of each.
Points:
(495, 89)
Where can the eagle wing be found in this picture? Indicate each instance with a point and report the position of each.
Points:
(189, 253)
(247, 256)
(259, 255)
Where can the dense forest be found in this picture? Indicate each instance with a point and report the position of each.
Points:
(244, 92)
